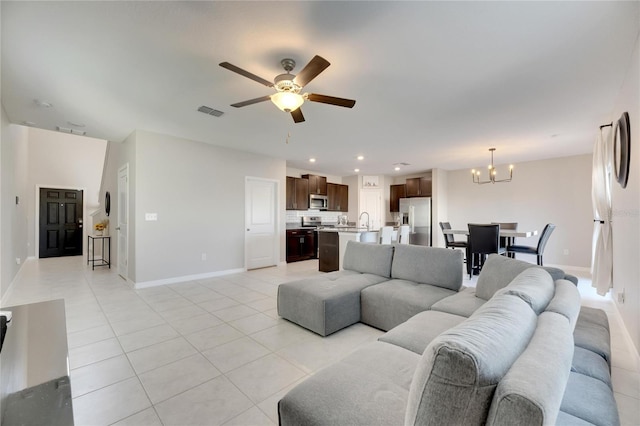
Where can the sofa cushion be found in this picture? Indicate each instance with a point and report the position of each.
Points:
(592, 332)
(565, 419)
(566, 301)
(460, 369)
(392, 302)
(531, 392)
(591, 364)
(498, 271)
(326, 303)
(368, 258)
(534, 286)
(428, 265)
(370, 386)
(416, 333)
(463, 303)
(590, 400)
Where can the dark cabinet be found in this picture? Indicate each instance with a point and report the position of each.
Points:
(297, 194)
(329, 251)
(317, 184)
(338, 196)
(301, 245)
(396, 192)
(419, 187)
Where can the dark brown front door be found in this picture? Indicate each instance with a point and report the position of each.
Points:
(60, 222)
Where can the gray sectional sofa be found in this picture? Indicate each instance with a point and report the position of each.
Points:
(517, 349)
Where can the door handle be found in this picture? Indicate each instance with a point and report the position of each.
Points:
(117, 228)
(248, 229)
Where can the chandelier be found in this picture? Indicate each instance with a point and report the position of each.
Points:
(492, 173)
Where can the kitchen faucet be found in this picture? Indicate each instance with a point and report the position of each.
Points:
(367, 218)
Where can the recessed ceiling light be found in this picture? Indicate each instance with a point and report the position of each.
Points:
(312, 160)
(397, 168)
(360, 157)
(356, 170)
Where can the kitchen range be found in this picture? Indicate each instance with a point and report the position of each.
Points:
(302, 240)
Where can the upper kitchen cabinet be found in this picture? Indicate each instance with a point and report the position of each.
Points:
(297, 193)
(317, 184)
(396, 192)
(338, 196)
(419, 187)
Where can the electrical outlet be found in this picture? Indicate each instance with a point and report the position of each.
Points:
(151, 216)
(204, 256)
(621, 297)
(566, 252)
(18, 260)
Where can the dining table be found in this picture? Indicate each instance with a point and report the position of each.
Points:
(509, 233)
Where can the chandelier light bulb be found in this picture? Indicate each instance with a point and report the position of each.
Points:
(287, 101)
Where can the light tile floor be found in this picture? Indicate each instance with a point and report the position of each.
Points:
(212, 351)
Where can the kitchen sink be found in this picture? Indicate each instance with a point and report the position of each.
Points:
(369, 237)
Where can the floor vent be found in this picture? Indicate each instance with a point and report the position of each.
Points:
(210, 111)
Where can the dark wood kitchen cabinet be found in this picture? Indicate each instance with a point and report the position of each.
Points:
(396, 192)
(301, 245)
(317, 184)
(419, 187)
(297, 194)
(328, 251)
(338, 196)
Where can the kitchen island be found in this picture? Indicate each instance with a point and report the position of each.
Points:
(332, 243)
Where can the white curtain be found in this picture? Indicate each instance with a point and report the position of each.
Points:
(602, 249)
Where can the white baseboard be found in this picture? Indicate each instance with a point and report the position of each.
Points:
(7, 294)
(570, 268)
(184, 278)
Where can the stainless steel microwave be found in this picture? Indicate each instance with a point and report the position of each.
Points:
(318, 202)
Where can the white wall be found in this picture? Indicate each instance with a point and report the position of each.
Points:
(13, 217)
(60, 160)
(198, 193)
(626, 210)
(548, 191)
(439, 206)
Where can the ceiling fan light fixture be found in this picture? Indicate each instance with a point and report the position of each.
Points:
(287, 101)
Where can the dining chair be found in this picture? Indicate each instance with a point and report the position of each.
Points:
(539, 249)
(483, 240)
(507, 241)
(449, 239)
(385, 234)
(403, 234)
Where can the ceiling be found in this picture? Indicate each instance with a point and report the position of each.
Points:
(436, 83)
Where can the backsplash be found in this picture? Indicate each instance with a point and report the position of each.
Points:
(295, 216)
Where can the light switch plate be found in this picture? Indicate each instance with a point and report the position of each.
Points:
(150, 216)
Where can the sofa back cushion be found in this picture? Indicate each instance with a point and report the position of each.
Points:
(534, 286)
(460, 369)
(498, 271)
(566, 301)
(532, 391)
(428, 265)
(368, 258)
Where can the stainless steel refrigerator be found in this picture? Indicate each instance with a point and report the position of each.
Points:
(416, 212)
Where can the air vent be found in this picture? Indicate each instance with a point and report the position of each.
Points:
(401, 164)
(210, 111)
(71, 131)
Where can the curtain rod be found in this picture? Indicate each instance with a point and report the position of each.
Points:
(606, 125)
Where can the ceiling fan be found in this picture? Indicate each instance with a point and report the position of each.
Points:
(288, 86)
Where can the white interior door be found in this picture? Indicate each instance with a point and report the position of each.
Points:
(123, 222)
(262, 244)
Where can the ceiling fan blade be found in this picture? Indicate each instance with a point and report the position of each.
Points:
(311, 70)
(245, 73)
(331, 100)
(297, 115)
(251, 101)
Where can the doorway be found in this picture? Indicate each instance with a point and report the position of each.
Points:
(262, 243)
(60, 224)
